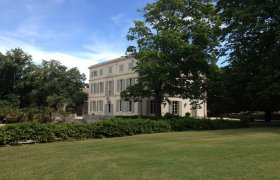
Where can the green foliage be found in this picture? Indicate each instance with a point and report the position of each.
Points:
(251, 36)
(26, 85)
(49, 132)
(176, 41)
(183, 124)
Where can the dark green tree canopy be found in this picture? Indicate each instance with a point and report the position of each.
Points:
(51, 84)
(252, 36)
(176, 42)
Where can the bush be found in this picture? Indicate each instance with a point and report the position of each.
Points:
(187, 123)
(48, 132)
(13, 134)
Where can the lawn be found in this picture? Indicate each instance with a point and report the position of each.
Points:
(252, 153)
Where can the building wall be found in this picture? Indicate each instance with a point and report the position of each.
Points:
(120, 69)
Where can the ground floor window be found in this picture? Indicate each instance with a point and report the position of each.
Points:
(152, 107)
(130, 106)
(174, 107)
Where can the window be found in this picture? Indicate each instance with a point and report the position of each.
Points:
(95, 88)
(121, 67)
(101, 87)
(94, 105)
(121, 85)
(110, 88)
(101, 72)
(130, 106)
(130, 66)
(91, 74)
(95, 73)
(194, 110)
(174, 107)
(110, 70)
(152, 107)
(91, 88)
(121, 105)
(99, 106)
(130, 81)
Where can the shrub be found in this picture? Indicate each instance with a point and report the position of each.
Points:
(187, 123)
(48, 132)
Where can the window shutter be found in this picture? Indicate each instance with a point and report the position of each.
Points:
(133, 81)
(91, 89)
(106, 88)
(102, 87)
(118, 105)
(148, 107)
(97, 87)
(101, 106)
(123, 84)
(180, 108)
(90, 105)
(105, 110)
(118, 85)
(125, 106)
(170, 107)
(133, 104)
(112, 88)
(127, 82)
(94, 105)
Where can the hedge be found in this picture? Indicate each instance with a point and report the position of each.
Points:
(13, 134)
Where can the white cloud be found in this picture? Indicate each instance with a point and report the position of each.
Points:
(117, 19)
(82, 60)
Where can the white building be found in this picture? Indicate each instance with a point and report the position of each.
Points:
(109, 78)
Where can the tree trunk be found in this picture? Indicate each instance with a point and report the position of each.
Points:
(157, 105)
(268, 115)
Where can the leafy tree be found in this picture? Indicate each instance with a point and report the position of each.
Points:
(58, 86)
(26, 85)
(15, 70)
(175, 43)
(251, 34)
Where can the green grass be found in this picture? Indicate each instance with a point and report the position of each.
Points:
(252, 153)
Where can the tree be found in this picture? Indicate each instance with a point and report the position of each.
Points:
(15, 69)
(251, 34)
(58, 87)
(25, 85)
(176, 41)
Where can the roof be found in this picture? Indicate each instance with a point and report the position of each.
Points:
(122, 58)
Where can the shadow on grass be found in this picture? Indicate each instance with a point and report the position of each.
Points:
(250, 130)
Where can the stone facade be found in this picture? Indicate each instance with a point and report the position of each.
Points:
(109, 78)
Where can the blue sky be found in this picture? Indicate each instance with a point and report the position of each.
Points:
(79, 33)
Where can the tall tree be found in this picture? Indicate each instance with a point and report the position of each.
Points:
(15, 69)
(58, 86)
(252, 36)
(176, 41)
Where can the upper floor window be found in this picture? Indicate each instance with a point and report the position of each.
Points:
(110, 70)
(101, 72)
(101, 87)
(95, 73)
(120, 85)
(130, 66)
(121, 66)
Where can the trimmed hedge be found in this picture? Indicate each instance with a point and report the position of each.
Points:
(48, 132)
(13, 134)
(187, 123)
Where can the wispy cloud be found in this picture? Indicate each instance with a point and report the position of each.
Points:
(81, 60)
(117, 19)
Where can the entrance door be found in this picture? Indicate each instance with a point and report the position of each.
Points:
(108, 109)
